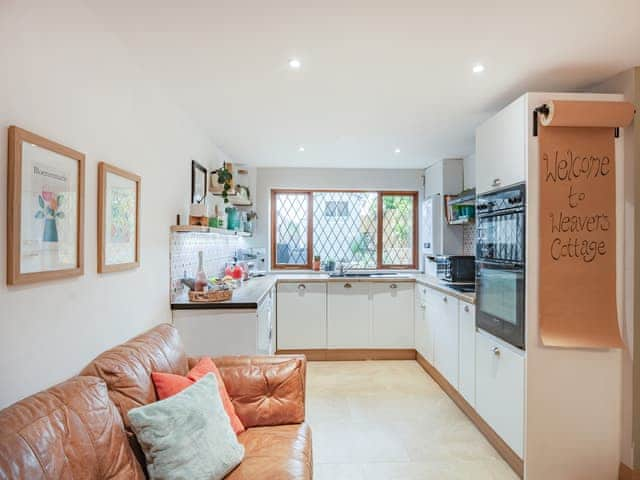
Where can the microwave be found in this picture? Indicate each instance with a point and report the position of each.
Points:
(456, 268)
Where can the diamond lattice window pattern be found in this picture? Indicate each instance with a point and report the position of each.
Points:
(397, 230)
(345, 227)
(291, 228)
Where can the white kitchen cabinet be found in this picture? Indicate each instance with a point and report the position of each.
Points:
(467, 370)
(302, 315)
(348, 315)
(392, 316)
(500, 388)
(445, 177)
(501, 148)
(444, 309)
(220, 331)
(423, 321)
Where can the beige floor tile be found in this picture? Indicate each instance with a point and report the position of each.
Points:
(390, 420)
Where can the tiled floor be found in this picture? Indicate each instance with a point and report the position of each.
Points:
(389, 420)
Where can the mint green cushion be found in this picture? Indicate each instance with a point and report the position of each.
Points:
(188, 436)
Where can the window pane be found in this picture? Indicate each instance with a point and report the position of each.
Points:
(397, 229)
(345, 227)
(291, 228)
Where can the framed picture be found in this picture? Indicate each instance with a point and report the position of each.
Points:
(198, 182)
(118, 219)
(45, 209)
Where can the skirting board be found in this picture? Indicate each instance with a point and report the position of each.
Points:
(511, 457)
(626, 473)
(353, 354)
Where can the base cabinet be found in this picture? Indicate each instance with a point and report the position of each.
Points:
(392, 317)
(302, 315)
(444, 310)
(348, 315)
(500, 388)
(467, 370)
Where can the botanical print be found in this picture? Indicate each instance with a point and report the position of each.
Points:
(49, 210)
(120, 227)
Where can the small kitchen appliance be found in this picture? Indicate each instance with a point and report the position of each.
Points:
(456, 268)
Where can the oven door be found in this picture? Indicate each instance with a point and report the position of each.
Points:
(500, 235)
(500, 300)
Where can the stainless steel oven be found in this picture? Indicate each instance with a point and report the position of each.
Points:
(500, 263)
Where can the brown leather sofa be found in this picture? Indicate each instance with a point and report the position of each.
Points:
(79, 429)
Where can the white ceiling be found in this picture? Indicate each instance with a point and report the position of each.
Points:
(375, 75)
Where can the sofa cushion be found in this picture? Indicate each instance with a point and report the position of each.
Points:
(71, 430)
(281, 452)
(188, 436)
(127, 368)
(168, 384)
(265, 390)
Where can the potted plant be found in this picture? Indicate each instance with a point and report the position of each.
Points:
(224, 178)
(316, 263)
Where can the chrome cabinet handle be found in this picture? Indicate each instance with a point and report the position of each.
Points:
(347, 285)
(302, 287)
(444, 299)
(496, 351)
(466, 308)
(393, 285)
(496, 182)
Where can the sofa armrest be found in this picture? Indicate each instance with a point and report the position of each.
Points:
(265, 390)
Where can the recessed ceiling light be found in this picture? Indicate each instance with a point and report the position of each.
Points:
(396, 151)
(478, 68)
(301, 149)
(294, 64)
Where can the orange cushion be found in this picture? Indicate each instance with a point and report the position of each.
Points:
(168, 384)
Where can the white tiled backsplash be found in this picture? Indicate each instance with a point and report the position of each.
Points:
(469, 239)
(218, 251)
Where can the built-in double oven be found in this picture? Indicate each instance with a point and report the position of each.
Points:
(500, 263)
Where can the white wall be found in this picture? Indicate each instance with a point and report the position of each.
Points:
(334, 178)
(470, 171)
(67, 79)
(627, 83)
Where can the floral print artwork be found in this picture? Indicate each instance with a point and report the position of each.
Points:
(49, 209)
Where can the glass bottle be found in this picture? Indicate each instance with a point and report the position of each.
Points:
(201, 283)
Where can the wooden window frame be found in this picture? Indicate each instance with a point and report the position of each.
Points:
(309, 193)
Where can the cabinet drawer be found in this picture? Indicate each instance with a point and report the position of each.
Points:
(302, 316)
(348, 315)
(500, 389)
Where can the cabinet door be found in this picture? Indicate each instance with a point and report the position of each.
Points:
(500, 389)
(302, 316)
(446, 341)
(348, 315)
(392, 318)
(500, 148)
(467, 373)
(265, 326)
(420, 305)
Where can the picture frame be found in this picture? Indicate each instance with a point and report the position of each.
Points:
(118, 219)
(198, 182)
(45, 209)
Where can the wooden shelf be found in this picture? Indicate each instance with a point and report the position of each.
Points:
(236, 200)
(462, 221)
(200, 229)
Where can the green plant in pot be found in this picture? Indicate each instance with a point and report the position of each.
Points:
(224, 179)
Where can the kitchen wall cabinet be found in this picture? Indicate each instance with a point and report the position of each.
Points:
(467, 367)
(302, 316)
(444, 309)
(445, 177)
(348, 315)
(392, 316)
(500, 388)
(501, 148)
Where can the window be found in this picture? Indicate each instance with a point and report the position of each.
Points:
(367, 230)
